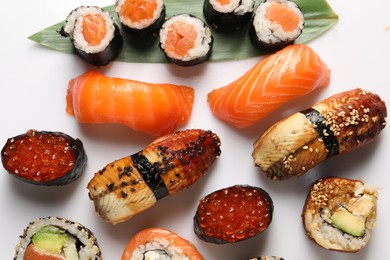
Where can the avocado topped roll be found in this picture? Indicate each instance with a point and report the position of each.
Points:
(340, 214)
(58, 239)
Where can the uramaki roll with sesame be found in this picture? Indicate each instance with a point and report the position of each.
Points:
(57, 238)
(336, 125)
(340, 214)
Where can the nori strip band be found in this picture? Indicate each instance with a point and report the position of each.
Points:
(326, 134)
(151, 174)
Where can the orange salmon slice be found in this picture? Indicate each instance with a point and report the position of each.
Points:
(32, 253)
(180, 39)
(283, 15)
(223, 2)
(152, 108)
(285, 75)
(94, 28)
(138, 10)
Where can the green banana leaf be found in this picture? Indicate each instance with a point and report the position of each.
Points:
(319, 17)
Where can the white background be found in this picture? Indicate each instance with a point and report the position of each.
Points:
(33, 87)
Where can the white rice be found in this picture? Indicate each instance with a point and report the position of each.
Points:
(239, 7)
(143, 23)
(270, 32)
(158, 249)
(202, 41)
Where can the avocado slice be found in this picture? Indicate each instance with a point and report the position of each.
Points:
(50, 239)
(349, 223)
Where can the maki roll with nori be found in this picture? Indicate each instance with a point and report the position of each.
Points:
(44, 158)
(340, 214)
(186, 40)
(275, 24)
(233, 214)
(228, 14)
(141, 18)
(57, 238)
(95, 36)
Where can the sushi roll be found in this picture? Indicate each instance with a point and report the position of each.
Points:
(228, 14)
(141, 18)
(186, 40)
(159, 243)
(95, 36)
(57, 238)
(340, 214)
(276, 23)
(233, 214)
(44, 158)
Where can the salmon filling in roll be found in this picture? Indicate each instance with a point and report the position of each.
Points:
(276, 23)
(186, 40)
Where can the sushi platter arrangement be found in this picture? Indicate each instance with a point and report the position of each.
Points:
(193, 150)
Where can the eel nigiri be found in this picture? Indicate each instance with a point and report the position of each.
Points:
(336, 125)
(159, 243)
(132, 184)
(155, 109)
(291, 72)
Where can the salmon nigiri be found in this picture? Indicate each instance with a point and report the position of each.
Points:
(159, 243)
(156, 109)
(291, 72)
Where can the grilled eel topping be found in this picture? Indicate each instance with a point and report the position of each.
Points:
(134, 183)
(338, 124)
